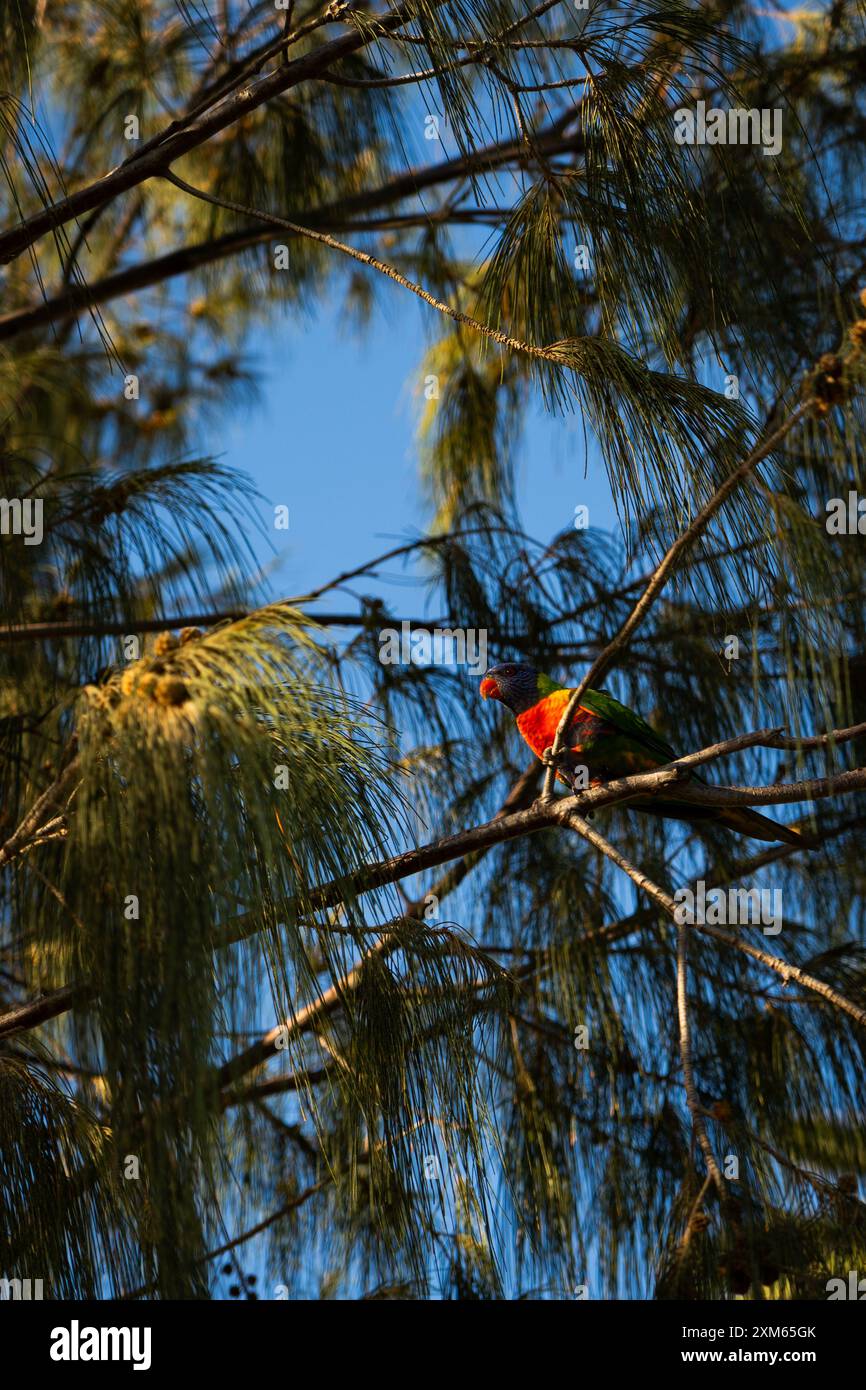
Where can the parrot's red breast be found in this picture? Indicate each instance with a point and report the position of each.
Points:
(607, 740)
(539, 724)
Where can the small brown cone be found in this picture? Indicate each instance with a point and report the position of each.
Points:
(171, 691)
(857, 334)
(166, 642)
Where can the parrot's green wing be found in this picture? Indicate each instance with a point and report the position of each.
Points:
(629, 723)
(742, 819)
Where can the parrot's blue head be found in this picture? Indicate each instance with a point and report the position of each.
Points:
(515, 683)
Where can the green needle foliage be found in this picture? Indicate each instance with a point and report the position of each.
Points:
(228, 1035)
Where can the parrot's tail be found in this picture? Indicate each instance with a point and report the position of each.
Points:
(742, 819)
(748, 822)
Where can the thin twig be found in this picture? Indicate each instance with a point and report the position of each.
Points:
(54, 798)
(661, 574)
(692, 1098)
(788, 972)
(336, 215)
(287, 1207)
(506, 825)
(548, 354)
(668, 905)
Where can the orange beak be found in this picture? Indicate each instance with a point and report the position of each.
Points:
(489, 689)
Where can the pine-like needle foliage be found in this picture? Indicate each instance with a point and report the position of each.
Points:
(224, 1027)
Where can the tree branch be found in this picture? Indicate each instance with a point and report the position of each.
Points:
(155, 157)
(547, 354)
(54, 798)
(660, 578)
(509, 824)
(334, 217)
(263, 1049)
(788, 972)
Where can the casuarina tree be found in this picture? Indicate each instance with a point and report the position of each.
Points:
(314, 980)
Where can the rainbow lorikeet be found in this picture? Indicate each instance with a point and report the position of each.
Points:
(610, 741)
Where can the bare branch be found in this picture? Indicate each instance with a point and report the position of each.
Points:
(551, 354)
(23, 1017)
(662, 574)
(53, 799)
(156, 156)
(335, 217)
(659, 896)
(511, 824)
(788, 972)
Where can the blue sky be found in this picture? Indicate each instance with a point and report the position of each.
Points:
(332, 436)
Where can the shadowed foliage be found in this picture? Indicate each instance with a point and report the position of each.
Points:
(237, 1028)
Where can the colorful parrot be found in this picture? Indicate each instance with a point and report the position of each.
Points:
(610, 741)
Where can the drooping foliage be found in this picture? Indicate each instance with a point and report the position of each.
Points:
(215, 1016)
